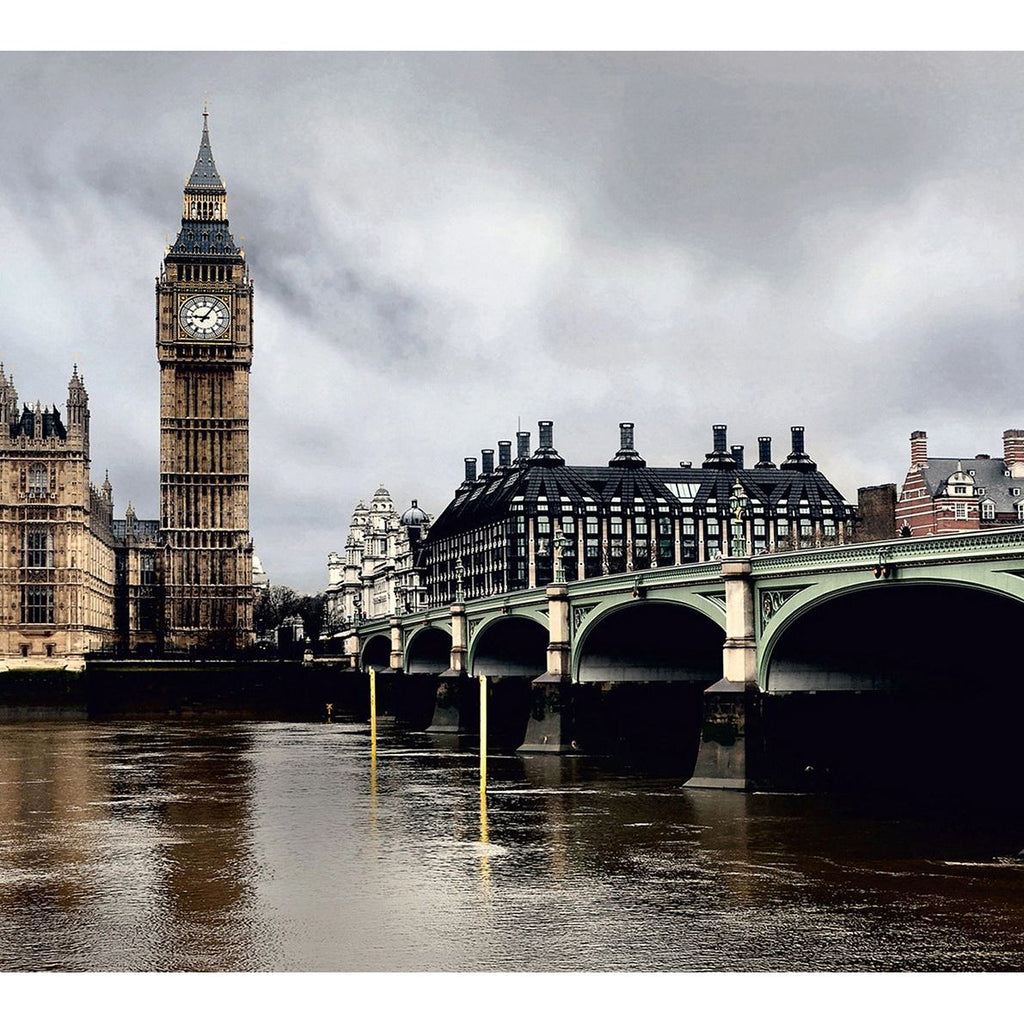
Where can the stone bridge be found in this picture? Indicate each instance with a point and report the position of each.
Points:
(903, 644)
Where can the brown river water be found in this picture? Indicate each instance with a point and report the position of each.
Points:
(213, 845)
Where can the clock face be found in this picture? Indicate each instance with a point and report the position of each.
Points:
(204, 316)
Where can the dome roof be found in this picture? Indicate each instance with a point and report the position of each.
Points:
(382, 500)
(414, 516)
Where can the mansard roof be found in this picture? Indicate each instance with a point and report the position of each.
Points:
(204, 238)
(543, 481)
(526, 485)
(989, 474)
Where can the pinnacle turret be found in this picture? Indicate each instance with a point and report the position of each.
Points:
(204, 174)
(205, 199)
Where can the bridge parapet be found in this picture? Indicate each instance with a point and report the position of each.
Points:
(689, 583)
(974, 545)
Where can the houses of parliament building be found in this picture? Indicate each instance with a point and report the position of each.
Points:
(73, 579)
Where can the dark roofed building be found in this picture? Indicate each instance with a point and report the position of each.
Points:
(505, 525)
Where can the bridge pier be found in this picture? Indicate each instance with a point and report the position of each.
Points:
(446, 705)
(396, 645)
(547, 729)
(732, 705)
(352, 651)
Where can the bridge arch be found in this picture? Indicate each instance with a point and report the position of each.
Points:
(641, 668)
(511, 650)
(505, 645)
(889, 614)
(704, 608)
(900, 684)
(376, 652)
(428, 650)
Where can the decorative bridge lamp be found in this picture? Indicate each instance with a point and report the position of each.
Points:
(559, 544)
(738, 505)
(460, 572)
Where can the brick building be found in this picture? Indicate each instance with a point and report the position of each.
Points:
(948, 495)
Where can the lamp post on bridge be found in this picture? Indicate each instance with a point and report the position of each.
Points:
(738, 505)
(460, 572)
(558, 546)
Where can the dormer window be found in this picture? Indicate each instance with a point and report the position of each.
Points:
(988, 510)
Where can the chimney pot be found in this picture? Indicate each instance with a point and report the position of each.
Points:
(546, 431)
(523, 444)
(487, 461)
(764, 453)
(1013, 447)
(504, 454)
(798, 440)
(737, 454)
(719, 431)
(626, 435)
(470, 470)
(918, 448)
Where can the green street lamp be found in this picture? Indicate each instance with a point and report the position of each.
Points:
(738, 505)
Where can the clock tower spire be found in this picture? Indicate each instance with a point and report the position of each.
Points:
(204, 347)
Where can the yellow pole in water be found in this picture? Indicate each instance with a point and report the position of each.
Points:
(483, 735)
(373, 711)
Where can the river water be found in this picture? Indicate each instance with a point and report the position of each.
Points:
(211, 845)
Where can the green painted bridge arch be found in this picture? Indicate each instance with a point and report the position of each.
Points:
(426, 645)
(772, 592)
(505, 642)
(908, 618)
(963, 585)
(375, 650)
(645, 615)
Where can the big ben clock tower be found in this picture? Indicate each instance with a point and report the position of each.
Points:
(204, 345)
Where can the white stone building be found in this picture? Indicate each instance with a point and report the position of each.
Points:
(378, 575)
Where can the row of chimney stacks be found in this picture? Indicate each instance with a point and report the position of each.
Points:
(722, 455)
(1013, 449)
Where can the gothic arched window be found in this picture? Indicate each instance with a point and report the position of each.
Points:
(38, 481)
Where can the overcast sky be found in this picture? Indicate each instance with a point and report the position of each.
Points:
(445, 246)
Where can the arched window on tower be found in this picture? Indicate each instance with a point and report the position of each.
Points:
(38, 481)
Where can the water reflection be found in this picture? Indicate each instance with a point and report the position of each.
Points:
(272, 846)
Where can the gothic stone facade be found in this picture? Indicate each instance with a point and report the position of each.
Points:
(73, 580)
(57, 563)
(204, 345)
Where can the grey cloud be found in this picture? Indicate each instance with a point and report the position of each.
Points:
(444, 243)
